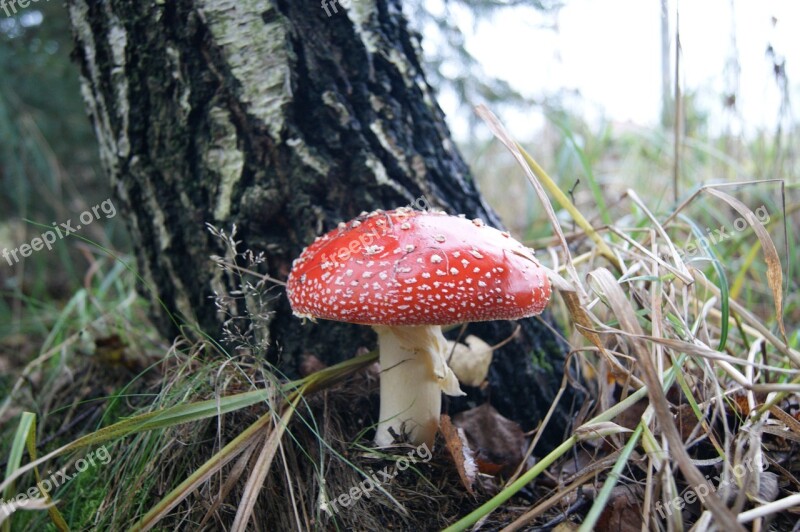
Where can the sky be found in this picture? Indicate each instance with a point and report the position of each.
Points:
(610, 52)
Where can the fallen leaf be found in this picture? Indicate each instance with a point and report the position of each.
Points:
(623, 513)
(470, 362)
(496, 440)
(457, 446)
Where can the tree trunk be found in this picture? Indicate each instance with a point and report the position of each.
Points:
(278, 118)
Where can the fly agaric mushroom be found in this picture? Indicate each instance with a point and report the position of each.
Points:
(406, 273)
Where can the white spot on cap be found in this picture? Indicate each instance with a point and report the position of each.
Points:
(436, 259)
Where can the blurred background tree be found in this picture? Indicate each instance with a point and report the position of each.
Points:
(49, 164)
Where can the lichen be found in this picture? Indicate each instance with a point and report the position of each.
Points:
(95, 102)
(309, 159)
(257, 53)
(359, 13)
(332, 100)
(382, 177)
(224, 158)
(174, 57)
(389, 145)
(118, 41)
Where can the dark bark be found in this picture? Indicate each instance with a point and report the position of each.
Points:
(284, 121)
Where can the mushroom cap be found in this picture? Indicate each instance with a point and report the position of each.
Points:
(407, 267)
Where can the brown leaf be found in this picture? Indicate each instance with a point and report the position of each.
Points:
(495, 439)
(456, 444)
(623, 513)
(586, 328)
(686, 420)
(790, 422)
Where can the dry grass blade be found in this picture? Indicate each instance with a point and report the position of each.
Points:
(261, 469)
(791, 423)
(774, 269)
(684, 273)
(29, 369)
(233, 478)
(606, 286)
(500, 132)
(725, 362)
(539, 431)
(10, 507)
(228, 453)
(585, 326)
(754, 322)
(601, 429)
(792, 501)
(25, 437)
(545, 505)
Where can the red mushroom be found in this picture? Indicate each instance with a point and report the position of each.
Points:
(406, 273)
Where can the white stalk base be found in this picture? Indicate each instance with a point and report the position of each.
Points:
(414, 373)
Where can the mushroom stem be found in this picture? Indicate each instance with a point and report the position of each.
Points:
(414, 373)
